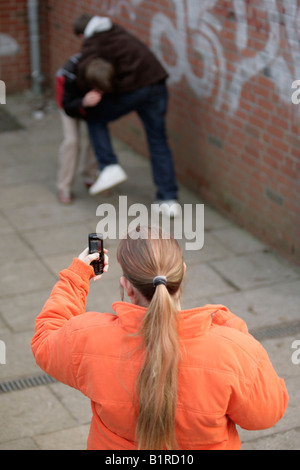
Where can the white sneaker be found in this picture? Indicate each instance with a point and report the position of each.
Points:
(169, 208)
(110, 176)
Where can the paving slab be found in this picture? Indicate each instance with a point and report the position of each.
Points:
(32, 412)
(256, 269)
(287, 440)
(69, 236)
(44, 215)
(25, 194)
(24, 276)
(26, 443)
(13, 248)
(22, 312)
(19, 361)
(74, 439)
(263, 306)
(76, 403)
(238, 240)
(5, 226)
(202, 280)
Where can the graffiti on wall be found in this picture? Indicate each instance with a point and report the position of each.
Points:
(116, 7)
(196, 22)
(8, 46)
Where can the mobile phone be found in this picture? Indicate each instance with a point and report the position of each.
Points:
(96, 246)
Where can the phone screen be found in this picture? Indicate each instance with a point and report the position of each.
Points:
(95, 246)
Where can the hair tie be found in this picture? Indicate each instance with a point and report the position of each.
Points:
(158, 280)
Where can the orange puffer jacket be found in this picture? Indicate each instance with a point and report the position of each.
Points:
(225, 378)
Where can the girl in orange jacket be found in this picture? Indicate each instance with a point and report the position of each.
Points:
(158, 377)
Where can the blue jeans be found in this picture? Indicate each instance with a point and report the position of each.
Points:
(150, 103)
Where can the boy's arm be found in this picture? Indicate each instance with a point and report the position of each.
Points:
(72, 101)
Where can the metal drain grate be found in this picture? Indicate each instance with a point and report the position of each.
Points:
(27, 382)
(277, 331)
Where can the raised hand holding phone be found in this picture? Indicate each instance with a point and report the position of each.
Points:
(96, 246)
(95, 255)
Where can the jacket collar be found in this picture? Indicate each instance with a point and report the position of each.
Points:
(193, 322)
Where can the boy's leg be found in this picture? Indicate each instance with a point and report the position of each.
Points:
(68, 154)
(89, 168)
(153, 113)
(110, 109)
(111, 173)
(100, 138)
(151, 105)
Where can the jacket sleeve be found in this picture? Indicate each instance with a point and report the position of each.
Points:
(261, 403)
(265, 400)
(60, 80)
(51, 343)
(72, 100)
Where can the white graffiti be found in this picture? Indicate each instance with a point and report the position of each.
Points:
(196, 24)
(280, 69)
(116, 7)
(247, 68)
(8, 46)
(198, 19)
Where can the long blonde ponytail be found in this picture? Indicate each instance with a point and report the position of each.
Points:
(157, 382)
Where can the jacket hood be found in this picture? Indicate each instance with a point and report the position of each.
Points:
(98, 24)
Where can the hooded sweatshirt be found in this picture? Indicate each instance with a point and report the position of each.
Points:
(135, 65)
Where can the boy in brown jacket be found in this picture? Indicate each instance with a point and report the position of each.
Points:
(140, 86)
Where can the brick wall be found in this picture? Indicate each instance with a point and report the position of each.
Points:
(14, 45)
(232, 126)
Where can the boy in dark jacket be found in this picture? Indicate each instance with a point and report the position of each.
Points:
(139, 85)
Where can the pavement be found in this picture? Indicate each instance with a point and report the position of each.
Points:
(39, 237)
